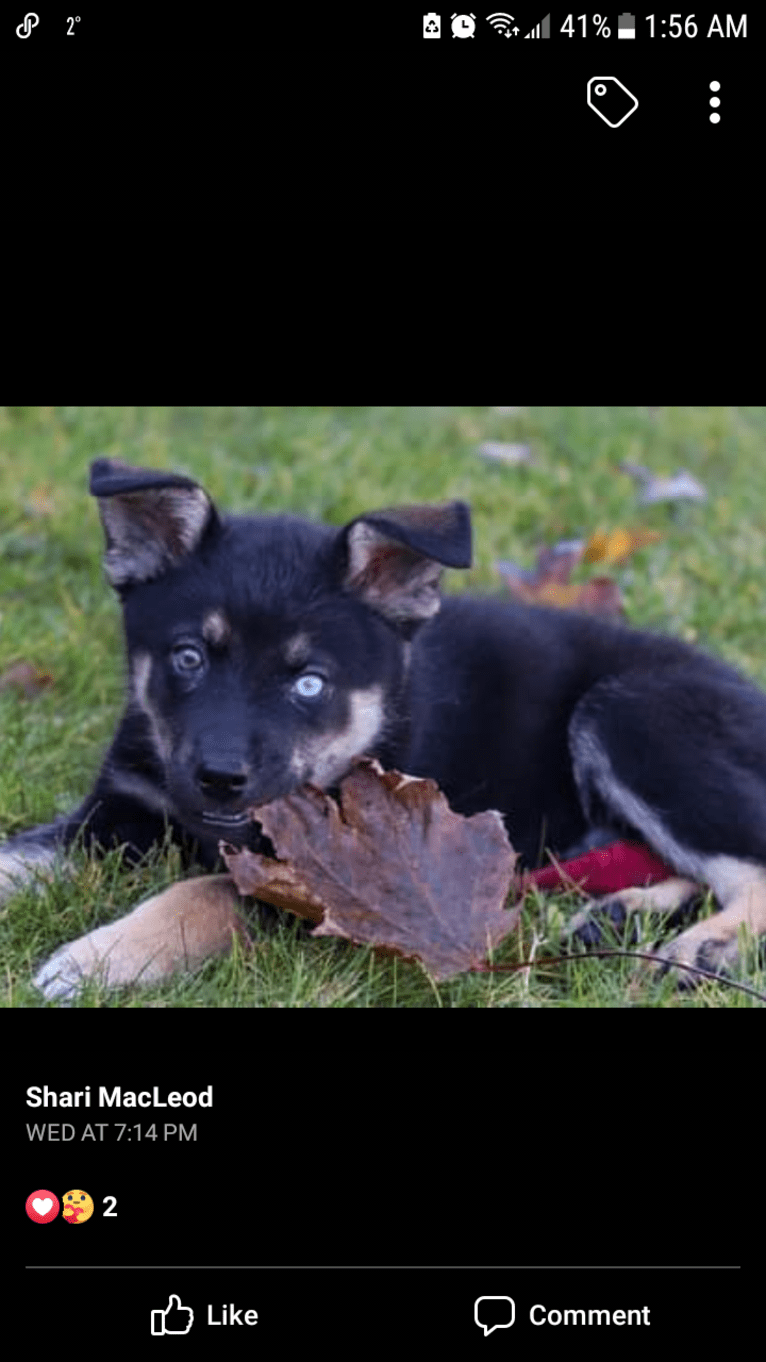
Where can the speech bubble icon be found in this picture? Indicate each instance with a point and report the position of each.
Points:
(494, 1312)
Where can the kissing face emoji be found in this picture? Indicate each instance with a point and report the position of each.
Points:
(78, 1207)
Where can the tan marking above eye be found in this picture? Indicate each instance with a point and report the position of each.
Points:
(297, 650)
(216, 628)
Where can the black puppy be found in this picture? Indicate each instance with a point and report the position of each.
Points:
(266, 653)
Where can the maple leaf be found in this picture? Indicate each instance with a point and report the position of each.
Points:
(40, 501)
(386, 864)
(599, 596)
(614, 546)
(25, 677)
(547, 583)
(678, 486)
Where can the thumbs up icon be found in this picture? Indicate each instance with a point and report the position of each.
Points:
(176, 1319)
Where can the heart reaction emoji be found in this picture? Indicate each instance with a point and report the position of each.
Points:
(42, 1206)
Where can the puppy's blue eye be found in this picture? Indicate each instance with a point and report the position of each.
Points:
(308, 686)
(187, 658)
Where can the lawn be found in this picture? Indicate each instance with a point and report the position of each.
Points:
(703, 580)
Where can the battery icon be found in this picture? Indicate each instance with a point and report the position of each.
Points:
(626, 26)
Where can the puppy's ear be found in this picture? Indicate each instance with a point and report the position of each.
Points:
(394, 559)
(151, 519)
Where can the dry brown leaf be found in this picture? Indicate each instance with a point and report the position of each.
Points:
(548, 582)
(26, 677)
(40, 501)
(387, 864)
(563, 595)
(554, 564)
(680, 486)
(614, 546)
(600, 596)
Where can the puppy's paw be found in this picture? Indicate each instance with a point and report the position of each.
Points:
(603, 921)
(175, 930)
(621, 919)
(700, 947)
(64, 973)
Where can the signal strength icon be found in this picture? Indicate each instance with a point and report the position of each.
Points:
(541, 30)
(502, 23)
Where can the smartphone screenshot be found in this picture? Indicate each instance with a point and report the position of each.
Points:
(307, 1045)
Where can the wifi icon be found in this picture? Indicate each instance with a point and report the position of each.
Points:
(502, 24)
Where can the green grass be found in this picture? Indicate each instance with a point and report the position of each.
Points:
(704, 581)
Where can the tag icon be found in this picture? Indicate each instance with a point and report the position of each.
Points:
(611, 100)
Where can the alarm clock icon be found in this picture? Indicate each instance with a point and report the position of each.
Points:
(463, 25)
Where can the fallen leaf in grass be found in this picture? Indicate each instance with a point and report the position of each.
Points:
(681, 486)
(637, 471)
(614, 546)
(554, 564)
(504, 453)
(548, 584)
(386, 864)
(26, 677)
(40, 501)
(600, 596)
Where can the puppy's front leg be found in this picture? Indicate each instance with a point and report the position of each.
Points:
(175, 930)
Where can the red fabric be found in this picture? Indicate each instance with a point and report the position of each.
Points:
(605, 870)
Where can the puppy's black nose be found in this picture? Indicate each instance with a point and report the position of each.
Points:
(221, 781)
